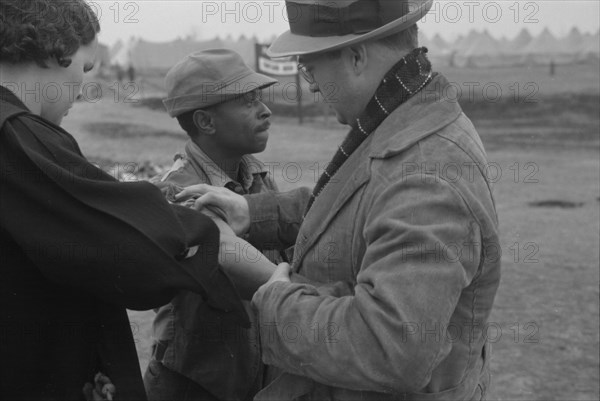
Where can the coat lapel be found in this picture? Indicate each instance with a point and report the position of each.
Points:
(422, 115)
(353, 174)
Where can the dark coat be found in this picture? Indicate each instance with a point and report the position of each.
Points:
(77, 248)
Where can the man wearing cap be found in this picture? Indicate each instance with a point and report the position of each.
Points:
(401, 229)
(200, 354)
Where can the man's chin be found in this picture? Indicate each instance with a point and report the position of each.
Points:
(261, 146)
(262, 136)
(341, 119)
(339, 116)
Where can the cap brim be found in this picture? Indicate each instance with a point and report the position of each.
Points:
(290, 44)
(254, 81)
(247, 83)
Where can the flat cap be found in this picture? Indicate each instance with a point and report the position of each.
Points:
(209, 77)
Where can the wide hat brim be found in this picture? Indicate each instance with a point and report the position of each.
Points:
(290, 44)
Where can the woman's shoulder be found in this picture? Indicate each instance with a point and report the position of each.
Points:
(32, 131)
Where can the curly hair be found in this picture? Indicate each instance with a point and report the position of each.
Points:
(38, 30)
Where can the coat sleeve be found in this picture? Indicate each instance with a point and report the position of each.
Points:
(403, 281)
(83, 229)
(275, 217)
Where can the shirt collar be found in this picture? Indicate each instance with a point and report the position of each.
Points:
(250, 167)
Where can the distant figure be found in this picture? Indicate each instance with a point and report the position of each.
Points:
(131, 73)
(552, 67)
(452, 61)
(120, 73)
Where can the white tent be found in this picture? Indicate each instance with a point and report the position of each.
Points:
(572, 43)
(479, 50)
(482, 44)
(440, 45)
(590, 48)
(461, 44)
(545, 49)
(519, 42)
(152, 56)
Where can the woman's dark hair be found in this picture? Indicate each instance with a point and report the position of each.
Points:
(38, 30)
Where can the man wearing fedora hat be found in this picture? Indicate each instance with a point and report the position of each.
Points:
(200, 354)
(399, 242)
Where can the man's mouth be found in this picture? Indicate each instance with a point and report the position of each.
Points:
(264, 127)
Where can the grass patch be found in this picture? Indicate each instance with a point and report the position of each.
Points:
(115, 130)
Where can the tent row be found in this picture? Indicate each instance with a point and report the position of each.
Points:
(476, 49)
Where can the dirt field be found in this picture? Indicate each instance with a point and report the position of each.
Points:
(546, 164)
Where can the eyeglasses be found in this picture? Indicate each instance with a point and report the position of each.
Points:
(306, 74)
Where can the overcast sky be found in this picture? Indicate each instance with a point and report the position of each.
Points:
(165, 20)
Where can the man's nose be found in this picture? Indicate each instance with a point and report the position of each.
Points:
(264, 112)
(313, 88)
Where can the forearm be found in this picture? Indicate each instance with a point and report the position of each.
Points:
(248, 271)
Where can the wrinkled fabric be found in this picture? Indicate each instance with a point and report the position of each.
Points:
(404, 240)
(201, 343)
(77, 248)
(195, 167)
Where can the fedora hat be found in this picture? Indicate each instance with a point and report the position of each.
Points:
(318, 26)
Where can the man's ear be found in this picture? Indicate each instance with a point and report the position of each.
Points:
(204, 122)
(358, 57)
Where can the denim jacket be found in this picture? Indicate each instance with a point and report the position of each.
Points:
(404, 245)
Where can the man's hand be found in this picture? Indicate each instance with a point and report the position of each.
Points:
(233, 207)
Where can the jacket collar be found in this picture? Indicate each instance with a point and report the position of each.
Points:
(249, 167)
(433, 108)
